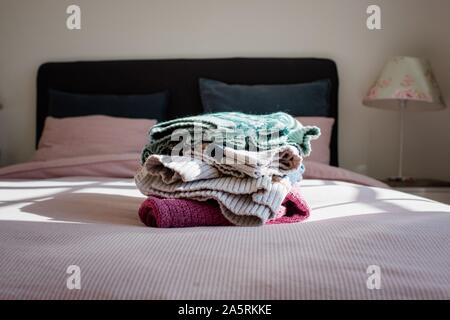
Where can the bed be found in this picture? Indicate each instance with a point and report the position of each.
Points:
(362, 240)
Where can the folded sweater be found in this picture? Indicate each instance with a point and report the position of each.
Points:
(261, 155)
(234, 130)
(243, 201)
(180, 213)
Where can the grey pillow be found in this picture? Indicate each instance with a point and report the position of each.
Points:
(303, 99)
(147, 106)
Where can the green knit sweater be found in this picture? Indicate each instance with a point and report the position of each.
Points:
(237, 130)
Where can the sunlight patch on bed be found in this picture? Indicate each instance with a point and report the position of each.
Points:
(340, 211)
(120, 184)
(339, 200)
(108, 191)
(12, 195)
(393, 206)
(31, 184)
(316, 182)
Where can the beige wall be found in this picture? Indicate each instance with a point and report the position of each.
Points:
(33, 32)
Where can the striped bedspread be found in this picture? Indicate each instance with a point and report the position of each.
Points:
(359, 243)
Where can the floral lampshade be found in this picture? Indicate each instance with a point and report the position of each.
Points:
(406, 78)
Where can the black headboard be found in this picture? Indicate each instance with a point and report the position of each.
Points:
(180, 77)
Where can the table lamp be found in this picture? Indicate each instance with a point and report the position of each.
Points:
(405, 84)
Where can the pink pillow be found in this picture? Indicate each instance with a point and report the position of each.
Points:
(320, 147)
(91, 135)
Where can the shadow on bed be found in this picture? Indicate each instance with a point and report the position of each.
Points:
(88, 208)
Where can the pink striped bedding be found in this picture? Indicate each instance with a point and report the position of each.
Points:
(48, 225)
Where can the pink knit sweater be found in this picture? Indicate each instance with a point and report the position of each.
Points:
(179, 213)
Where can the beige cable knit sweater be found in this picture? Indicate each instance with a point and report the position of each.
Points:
(244, 201)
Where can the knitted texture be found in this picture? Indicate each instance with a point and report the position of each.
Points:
(243, 201)
(237, 130)
(241, 163)
(237, 163)
(246, 163)
(181, 213)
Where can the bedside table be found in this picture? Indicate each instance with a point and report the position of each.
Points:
(428, 188)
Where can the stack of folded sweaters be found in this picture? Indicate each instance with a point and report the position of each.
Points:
(224, 169)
